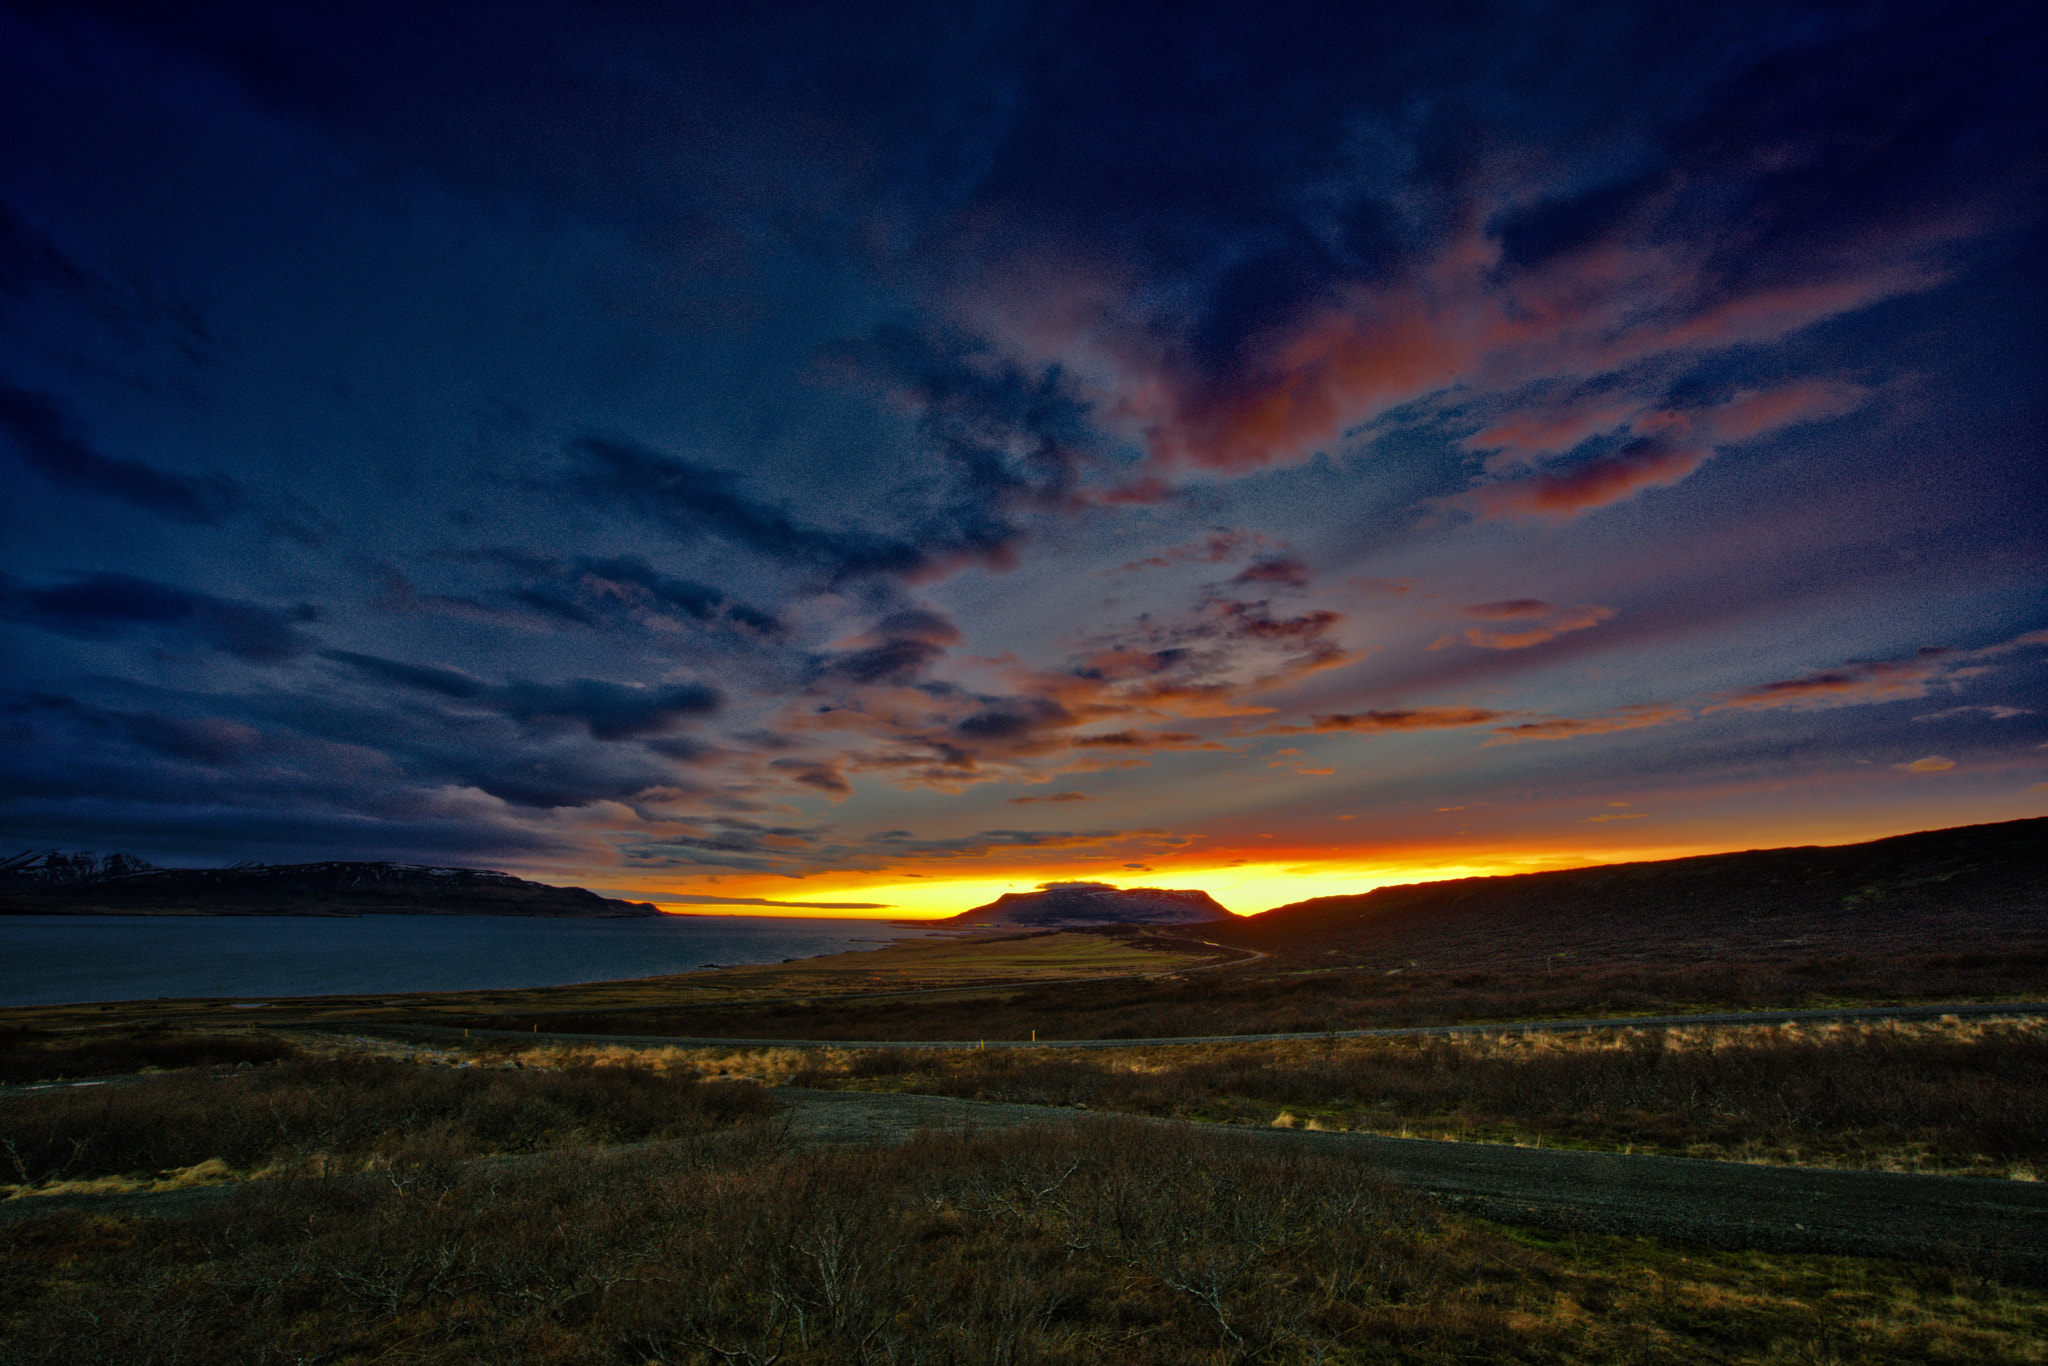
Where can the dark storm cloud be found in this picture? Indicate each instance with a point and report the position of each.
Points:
(607, 711)
(897, 650)
(632, 583)
(1012, 441)
(692, 501)
(32, 263)
(51, 444)
(433, 678)
(107, 605)
(754, 847)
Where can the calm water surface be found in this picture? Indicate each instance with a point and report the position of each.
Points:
(56, 959)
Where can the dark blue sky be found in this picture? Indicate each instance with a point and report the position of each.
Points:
(727, 453)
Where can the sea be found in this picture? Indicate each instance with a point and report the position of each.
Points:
(68, 959)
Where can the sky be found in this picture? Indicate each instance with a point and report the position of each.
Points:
(866, 459)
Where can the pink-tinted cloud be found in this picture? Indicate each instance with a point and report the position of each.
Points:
(1406, 719)
(1594, 484)
(1284, 570)
(1463, 321)
(1520, 436)
(1553, 624)
(1669, 444)
(1874, 681)
(1637, 717)
(1221, 544)
(1508, 609)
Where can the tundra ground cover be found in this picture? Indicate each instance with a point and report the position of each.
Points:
(1114, 1241)
(1955, 1096)
(347, 1110)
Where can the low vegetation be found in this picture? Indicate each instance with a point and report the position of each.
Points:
(1948, 1096)
(1112, 1242)
(347, 1112)
(1252, 1000)
(31, 1055)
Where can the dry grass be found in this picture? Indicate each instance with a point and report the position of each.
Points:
(1953, 1096)
(343, 1111)
(1117, 1243)
(32, 1055)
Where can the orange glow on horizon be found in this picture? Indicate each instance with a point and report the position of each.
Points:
(1244, 888)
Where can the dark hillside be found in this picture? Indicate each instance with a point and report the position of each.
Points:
(39, 886)
(1979, 888)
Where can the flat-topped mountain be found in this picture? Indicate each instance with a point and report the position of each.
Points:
(1063, 904)
(88, 884)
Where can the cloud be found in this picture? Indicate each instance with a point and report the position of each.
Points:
(131, 309)
(824, 776)
(434, 678)
(1933, 763)
(1990, 713)
(1050, 797)
(1508, 610)
(1378, 722)
(1638, 717)
(54, 448)
(104, 605)
(609, 711)
(606, 711)
(1668, 445)
(1884, 680)
(898, 649)
(697, 899)
(1222, 543)
(1872, 681)
(1535, 633)
(692, 501)
(1594, 484)
(1283, 570)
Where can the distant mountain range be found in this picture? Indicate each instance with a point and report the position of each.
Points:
(52, 883)
(1060, 905)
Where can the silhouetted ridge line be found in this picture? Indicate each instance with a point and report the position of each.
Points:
(1064, 904)
(1973, 874)
(117, 884)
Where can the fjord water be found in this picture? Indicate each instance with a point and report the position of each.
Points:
(61, 959)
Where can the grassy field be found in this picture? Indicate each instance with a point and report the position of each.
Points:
(493, 1199)
(1115, 1242)
(1959, 1097)
(1271, 996)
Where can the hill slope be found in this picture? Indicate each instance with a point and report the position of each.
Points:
(81, 884)
(1975, 887)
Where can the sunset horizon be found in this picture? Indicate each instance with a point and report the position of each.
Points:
(861, 468)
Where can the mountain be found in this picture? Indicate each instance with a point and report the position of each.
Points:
(53, 869)
(87, 884)
(1061, 904)
(1964, 889)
